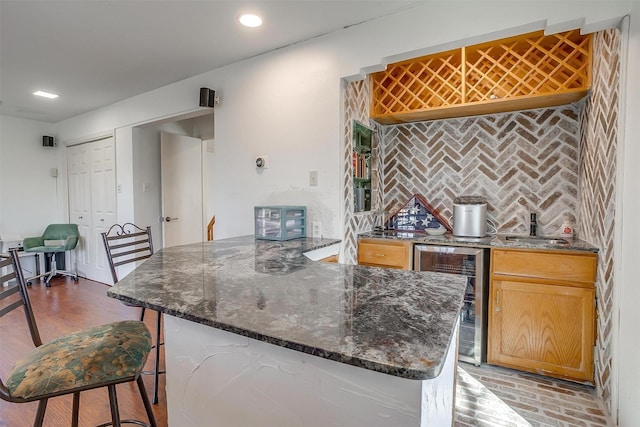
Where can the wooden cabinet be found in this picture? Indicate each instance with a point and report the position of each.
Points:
(332, 258)
(528, 71)
(385, 253)
(542, 312)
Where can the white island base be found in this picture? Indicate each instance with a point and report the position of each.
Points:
(217, 378)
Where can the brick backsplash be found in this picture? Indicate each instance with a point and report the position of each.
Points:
(356, 107)
(598, 153)
(521, 162)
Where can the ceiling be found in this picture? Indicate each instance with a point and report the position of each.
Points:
(96, 53)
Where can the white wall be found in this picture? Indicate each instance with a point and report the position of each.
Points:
(124, 175)
(626, 369)
(146, 181)
(270, 108)
(28, 192)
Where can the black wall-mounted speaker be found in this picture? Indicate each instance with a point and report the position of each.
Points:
(207, 97)
(47, 141)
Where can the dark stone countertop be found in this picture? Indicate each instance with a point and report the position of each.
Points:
(490, 241)
(391, 321)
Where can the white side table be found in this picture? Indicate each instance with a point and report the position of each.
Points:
(7, 245)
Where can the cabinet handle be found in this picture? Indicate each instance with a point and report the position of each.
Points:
(379, 255)
(498, 300)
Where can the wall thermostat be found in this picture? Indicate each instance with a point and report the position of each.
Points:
(262, 162)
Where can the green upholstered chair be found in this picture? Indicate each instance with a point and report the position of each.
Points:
(125, 244)
(57, 238)
(101, 356)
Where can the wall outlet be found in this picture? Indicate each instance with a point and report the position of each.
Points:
(313, 178)
(316, 230)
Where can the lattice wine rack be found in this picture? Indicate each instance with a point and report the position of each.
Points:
(528, 71)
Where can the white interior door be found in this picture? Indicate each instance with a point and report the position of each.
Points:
(79, 179)
(103, 205)
(92, 203)
(181, 172)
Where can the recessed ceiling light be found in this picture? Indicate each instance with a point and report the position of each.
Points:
(251, 21)
(45, 94)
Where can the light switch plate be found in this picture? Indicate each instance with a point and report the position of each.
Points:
(313, 178)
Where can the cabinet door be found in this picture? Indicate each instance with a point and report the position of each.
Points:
(542, 328)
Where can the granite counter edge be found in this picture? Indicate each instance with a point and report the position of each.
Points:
(496, 241)
(427, 373)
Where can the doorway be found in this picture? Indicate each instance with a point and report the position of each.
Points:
(188, 136)
(181, 184)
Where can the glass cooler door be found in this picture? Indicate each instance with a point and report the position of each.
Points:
(469, 262)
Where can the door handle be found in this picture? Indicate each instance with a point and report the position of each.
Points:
(169, 219)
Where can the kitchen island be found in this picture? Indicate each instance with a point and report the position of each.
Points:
(257, 334)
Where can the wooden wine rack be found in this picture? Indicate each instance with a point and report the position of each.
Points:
(516, 73)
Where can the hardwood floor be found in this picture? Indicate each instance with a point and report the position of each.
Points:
(63, 308)
(486, 396)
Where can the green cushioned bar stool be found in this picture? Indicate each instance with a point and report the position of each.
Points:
(57, 238)
(101, 356)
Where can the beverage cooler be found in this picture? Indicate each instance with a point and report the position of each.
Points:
(472, 263)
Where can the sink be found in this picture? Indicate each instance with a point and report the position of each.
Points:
(537, 240)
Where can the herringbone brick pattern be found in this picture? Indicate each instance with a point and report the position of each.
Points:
(598, 188)
(356, 107)
(521, 162)
(490, 396)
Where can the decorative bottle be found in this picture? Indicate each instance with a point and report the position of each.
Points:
(566, 229)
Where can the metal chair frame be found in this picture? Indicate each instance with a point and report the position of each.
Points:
(125, 244)
(23, 300)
